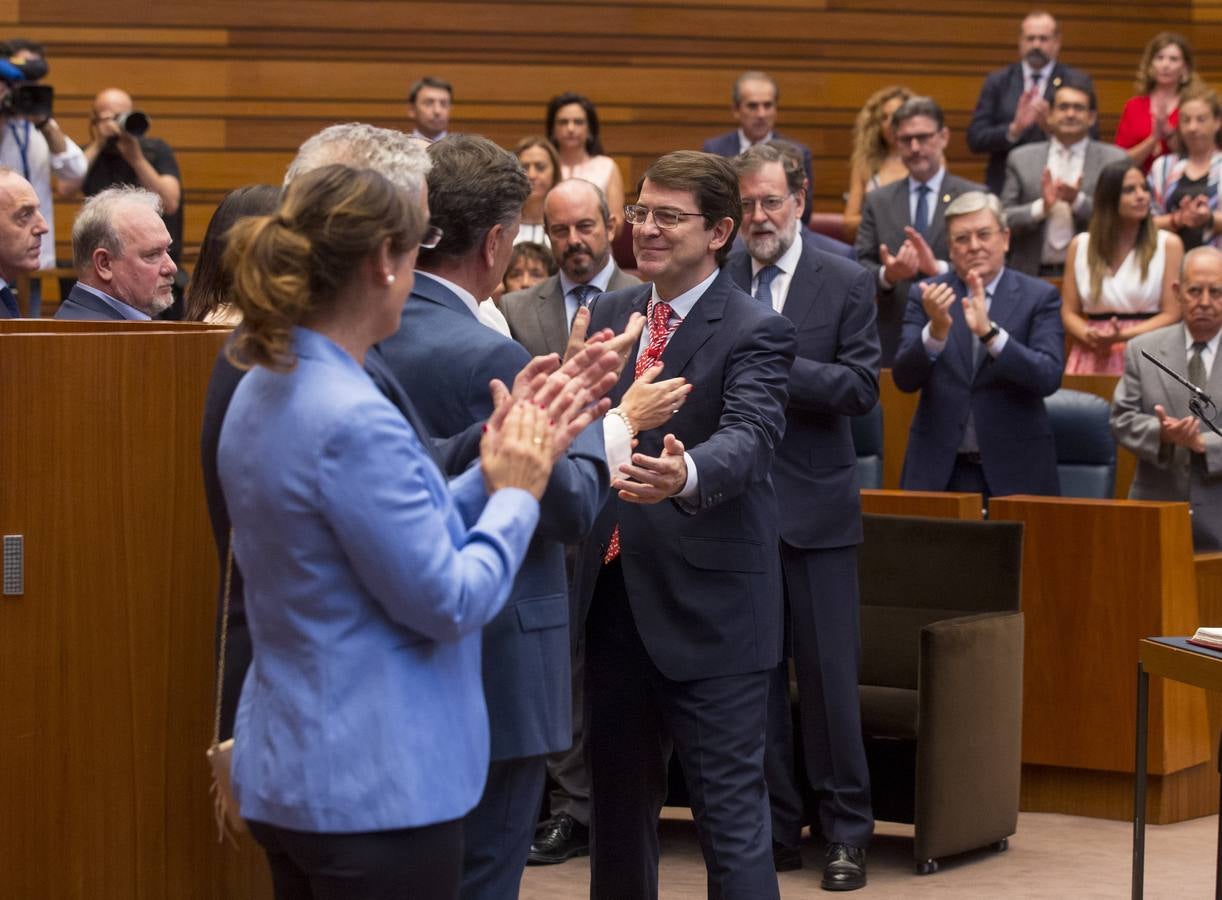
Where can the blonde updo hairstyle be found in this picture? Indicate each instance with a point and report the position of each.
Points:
(295, 261)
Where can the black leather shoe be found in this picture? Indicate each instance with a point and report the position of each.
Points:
(845, 869)
(560, 839)
(786, 859)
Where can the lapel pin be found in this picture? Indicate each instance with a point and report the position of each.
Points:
(946, 198)
(1056, 82)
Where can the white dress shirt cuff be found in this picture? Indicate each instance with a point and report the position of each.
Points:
(691, 489)
(933, 346)
(882, 279)
(998, 343)
(1037, 210)
(617, 443)
(943, 267)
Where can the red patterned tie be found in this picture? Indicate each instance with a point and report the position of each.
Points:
(660, 330)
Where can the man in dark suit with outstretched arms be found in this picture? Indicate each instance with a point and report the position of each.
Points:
(681, 579)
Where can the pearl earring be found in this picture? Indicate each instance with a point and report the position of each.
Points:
(390, 279)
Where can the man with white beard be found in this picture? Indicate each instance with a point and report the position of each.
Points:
(835, 375)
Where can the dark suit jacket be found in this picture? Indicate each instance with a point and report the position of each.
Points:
(995, 111)
(831, 245)
(727, 145)
(536, 315)
(703, 579)
(83, 305)
(1004, 395)
(444, 357)
(835, 376)
(884, 216)
(1024, 177)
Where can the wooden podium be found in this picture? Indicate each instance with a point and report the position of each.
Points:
(106, 656)
(1099, 576)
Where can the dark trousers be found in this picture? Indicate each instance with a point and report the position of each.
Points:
(717, 727)
(498, 832)
(568, 767)
(823, 608)
(406, 864)
(967, 476)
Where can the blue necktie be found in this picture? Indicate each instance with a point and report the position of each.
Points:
(921, 220)
(10, 302)
(763, 287)
(584, 293)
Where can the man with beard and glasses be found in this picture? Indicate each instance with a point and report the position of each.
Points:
(984, 345)
(1015, 101)
(830, 300)
(579, 226)
(902, 236)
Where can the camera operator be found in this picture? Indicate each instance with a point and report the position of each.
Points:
(120, 153)
(33, 144)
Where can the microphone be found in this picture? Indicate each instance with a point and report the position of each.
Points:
(1200, 394)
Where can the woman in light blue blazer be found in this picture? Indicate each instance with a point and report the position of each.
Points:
(361, 737)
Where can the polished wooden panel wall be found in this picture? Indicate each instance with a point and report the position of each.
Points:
(235, 86)
(1098, 576)
(106, 659)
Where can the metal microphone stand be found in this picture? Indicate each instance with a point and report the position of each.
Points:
(1198, 400)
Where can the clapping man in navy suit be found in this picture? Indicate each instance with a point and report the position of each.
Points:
(22, 227)
(754, 102)
(835, 375)
(682, 579)
(984, 345)
(1015, 100)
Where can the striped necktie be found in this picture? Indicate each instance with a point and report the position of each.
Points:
(660, 330)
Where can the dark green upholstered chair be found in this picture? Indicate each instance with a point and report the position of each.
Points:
(941, 680)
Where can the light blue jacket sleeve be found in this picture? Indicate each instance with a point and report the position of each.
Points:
(392, 513)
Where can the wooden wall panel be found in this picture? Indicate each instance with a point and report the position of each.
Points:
(106, 660)
(234, 86)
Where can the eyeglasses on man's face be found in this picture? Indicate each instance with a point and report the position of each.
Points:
(982, 236)
(921, 139)
(664, 217)
(770, 204)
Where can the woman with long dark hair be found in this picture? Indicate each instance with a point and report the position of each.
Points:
(1118, 274)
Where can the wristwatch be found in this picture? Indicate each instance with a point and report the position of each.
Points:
(994, 330)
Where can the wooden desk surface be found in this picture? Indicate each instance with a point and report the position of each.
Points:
(1182, 661)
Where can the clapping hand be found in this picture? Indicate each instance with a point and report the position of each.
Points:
(1185, 432)
(651, 479)
(899, 267)
(927, 263)
(1068, 190)
(516, 449)
(622, 344)
(649, 403)
(975, 308)
(937, 299)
